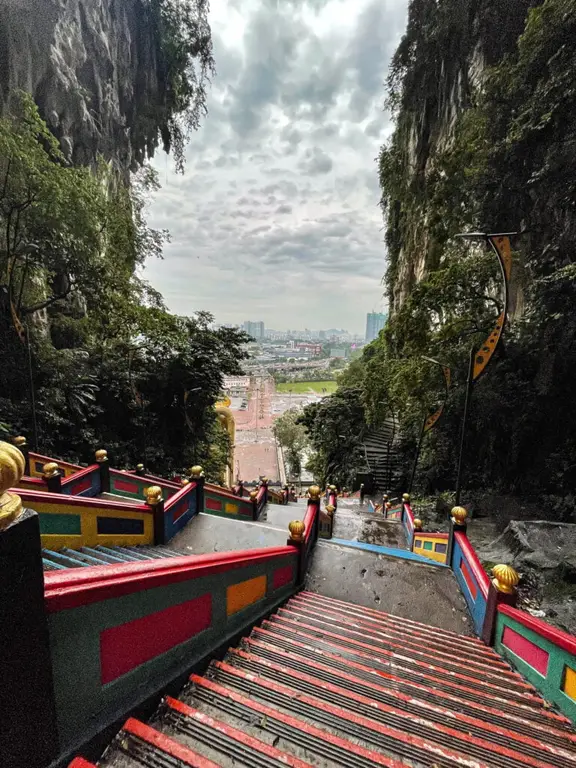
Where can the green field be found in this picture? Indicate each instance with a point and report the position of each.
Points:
(301, 387)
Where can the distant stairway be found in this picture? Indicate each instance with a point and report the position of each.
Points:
(100, 555)
(329, 683)
(382, 457)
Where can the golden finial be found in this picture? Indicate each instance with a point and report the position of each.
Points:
(51, 469)
(19, 441)
(417, 524)
(388, 505)
(253, 495)
(12, 465)
(196, 471)
(314, 492)
(406, 498)
(385, 498)
(296, 528)
(505, 579)
(264, 480)
(459, 515)
(330, 509)
(101, 456)
(184, 481)
(153, 495)
(333, 488)
(139, 466)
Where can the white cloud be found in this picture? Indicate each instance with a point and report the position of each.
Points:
(277, 215)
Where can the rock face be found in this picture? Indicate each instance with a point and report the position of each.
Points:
(450, 49)
(94, 69)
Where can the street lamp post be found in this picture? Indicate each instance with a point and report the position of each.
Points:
(500, 244)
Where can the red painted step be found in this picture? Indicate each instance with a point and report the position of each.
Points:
(434, 723)
(336, 749)
(381, 615)
(434, 646)
(181, 716)
(431, 639)
(504, 688)
(481, 670)
(300, 656)
(79, 762)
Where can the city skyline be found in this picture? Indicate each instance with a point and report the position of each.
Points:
(277, 213)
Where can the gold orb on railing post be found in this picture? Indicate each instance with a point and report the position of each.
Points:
(50, 469)
(19, 441)
(406, 498)
(330, 509)
(153, 495)
(12, 465)
(184, 481)
(101, 456)
(314, 492)
(505, 579)
(196, 471)
(417, 524)
(253, 495)
(296, 528)
(459, 516)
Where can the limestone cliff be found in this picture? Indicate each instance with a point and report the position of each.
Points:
(94, 68)
(436, 75)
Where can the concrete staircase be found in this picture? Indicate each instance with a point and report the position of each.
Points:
(382, 456)
(329, 683)
(53, 560)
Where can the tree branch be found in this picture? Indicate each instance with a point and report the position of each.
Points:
(48, 302)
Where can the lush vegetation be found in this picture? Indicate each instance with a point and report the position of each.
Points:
(498, 154)
(291, 435)
(81, 332)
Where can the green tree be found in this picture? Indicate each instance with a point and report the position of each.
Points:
(291, 435)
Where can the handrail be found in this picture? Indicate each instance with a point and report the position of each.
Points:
(40, 457)
(142, 478)
(80, 501)
(84, 586)
(311, 512)
(474, 562)
(552, 634)
(73, 479)
(410, 514)
(183, 491)
(432, 535)
(221, 491)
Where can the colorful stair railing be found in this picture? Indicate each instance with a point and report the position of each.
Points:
(431, 545)
(544, 655)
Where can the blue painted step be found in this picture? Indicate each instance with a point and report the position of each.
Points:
(100, 555)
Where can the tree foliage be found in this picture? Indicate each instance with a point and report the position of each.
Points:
(291, 435)
(110, 366)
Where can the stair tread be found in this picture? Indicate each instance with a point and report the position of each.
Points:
(434, 723)
(138, 743)
(295, 731)
(302, 656)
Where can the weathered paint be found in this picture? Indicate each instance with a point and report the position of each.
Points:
(238, 596)
(224, 504)
(546, 656)
(403, 554)
(86, 482)
(129, 645)
(183, 755)
(127, 484)
(75, 521)
(83, 607)
(431, 545)
(471, 577)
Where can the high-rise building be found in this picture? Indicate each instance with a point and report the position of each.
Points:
(256, 330)
(375, 321)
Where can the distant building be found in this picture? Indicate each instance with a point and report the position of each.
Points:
(338, 353)
(256, 330)
(375, 321)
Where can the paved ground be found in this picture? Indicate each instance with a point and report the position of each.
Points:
(418, 592)
(210, 533)
(358, 525)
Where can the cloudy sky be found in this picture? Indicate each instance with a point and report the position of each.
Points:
(277, 217)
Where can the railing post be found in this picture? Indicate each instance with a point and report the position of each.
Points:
(29, 732)
(254, 500)
(52, 477)
(22, 445)
(417, 529)
(197, 476)
(297, 528)
(330, 509)
(458, 518)
(102, 461)
(155, 501)
(502, 590)
(140, 470)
